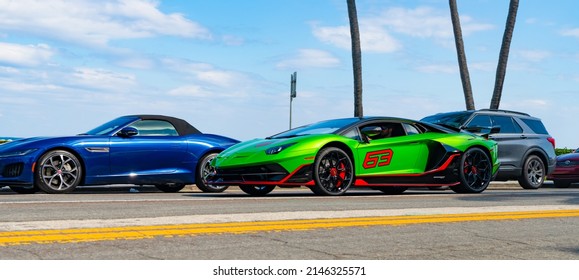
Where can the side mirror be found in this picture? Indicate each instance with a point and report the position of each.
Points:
(474, 129)
(492, 130)
(483, 129)
(128, 132)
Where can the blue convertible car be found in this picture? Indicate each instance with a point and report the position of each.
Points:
(140, 149)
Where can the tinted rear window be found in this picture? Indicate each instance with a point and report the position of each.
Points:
(536, 125)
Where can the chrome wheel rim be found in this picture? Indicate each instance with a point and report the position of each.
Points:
(535, 174)
(207, 170)
(60, 172)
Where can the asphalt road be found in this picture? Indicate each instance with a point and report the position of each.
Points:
(503, 223)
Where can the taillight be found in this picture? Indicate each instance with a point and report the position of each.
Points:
(552, 141)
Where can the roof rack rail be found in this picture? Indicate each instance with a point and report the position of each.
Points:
(505, 111)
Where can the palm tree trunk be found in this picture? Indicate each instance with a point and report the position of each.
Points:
(356, 58)
(504, 54)
(462, 65)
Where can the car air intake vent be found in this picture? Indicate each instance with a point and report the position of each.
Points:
(13, 170)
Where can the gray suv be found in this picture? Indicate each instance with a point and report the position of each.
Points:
(526, 150)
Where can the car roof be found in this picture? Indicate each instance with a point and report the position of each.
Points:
(182, 126)
(491, 111)
(370, 119)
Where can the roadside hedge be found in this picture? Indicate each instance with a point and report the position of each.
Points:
(560, 151)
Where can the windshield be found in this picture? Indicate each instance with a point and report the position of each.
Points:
(454, 119)
(111, 126)
(325, 127)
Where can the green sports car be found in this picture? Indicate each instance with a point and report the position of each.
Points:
(383, 153)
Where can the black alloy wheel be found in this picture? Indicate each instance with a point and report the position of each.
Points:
(333, 172)
(475, 171)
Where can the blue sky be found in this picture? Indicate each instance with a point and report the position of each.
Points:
(225, 65)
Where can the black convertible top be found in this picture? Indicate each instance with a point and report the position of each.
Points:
(182, 126)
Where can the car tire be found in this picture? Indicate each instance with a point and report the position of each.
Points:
(333, 172)
(58, 171)
(475, 171)
(24, 190)
(256, 190)
(561, 183)
(392, 190)
(170, 187)
(203, 170)
(533, 174)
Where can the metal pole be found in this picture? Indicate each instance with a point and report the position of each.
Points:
(290, 120)
(292, 95)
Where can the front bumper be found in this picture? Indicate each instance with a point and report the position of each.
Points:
(267, 174)
(565, 173)
(16, 171)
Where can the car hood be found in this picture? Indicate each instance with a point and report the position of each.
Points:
(571, 157)
(255, 150)
(35, 142)
(255, 145)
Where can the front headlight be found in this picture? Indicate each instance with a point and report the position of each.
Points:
(277, 149)
(17, 153)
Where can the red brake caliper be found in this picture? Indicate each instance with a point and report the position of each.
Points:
(340, 174)
(469, 166)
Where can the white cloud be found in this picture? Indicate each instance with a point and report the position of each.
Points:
(137, 63)
(438, 68)
(426, 22)
(190, 91)
(208, 74)
(95, 23)
(104, 79)
(376, 32)
(24, 87)
(232, 40)
(372, 38)
(527, 105)
(468, 26)
(338, 36)
(377, 39)
(420, 22)
(574, 32)
(534, 55)
(25, 55)
(483, 66)
(306, 58)
(219, 77)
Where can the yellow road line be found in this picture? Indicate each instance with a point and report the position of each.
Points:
(12, 238)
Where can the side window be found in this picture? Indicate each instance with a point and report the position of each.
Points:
(507, 124)
(479, 123)
(155, 128)
(410, 129)
(352, 134)
(536, 125)
(382, 130)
